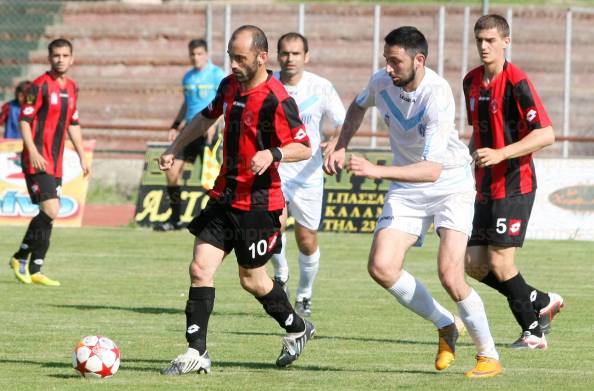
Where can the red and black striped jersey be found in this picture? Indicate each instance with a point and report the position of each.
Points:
(257, 119)
(502, 113)
(50, 109)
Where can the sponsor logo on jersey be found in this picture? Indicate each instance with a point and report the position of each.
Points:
(407, 98)
(530, 115)
(300, 134)
(28, 110)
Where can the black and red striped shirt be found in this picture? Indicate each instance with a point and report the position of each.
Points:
(257, 119)
(50, 109)
(502, 113)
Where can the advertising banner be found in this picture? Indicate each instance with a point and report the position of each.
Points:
(16, 207)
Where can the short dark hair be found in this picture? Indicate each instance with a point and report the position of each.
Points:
(291, 37)
(197, 43)
(410, 39)
(59, 43)
(259, 40)
(22, 88)
(492, 21)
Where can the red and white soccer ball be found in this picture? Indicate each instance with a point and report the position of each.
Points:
(96, 356)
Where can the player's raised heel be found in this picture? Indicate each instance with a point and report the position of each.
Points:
(546, 315)
(190, 361)
(446, 351)
(485, 367)
(20, 267)
(293, 345)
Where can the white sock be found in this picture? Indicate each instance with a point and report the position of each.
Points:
(412, 294)
(279, 261)
(308, 269)
(472, 313)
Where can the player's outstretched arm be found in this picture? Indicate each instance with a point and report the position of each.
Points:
(75, 134)
(534, 141)
(334, 160)
(195, 129)
(179, 118)
(290, 153)
(424, 171)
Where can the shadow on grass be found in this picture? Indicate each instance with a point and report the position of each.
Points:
(148, 310)
(251, 365)
(346, 338)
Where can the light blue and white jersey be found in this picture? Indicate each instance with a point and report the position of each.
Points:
(317, 99)
(200, 88)
(421, 127)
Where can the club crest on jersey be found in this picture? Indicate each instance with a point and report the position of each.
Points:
(54, 98)
(422, 129)
(494, 106)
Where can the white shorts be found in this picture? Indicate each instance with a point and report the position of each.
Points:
(305, 204)
(453, 211)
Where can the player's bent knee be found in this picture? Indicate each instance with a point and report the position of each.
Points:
(199, 274)
(383, 273)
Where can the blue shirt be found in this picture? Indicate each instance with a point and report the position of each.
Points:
(200, 88)
(10, 116)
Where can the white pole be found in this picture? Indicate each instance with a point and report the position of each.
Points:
(485, 7)
(567, 92)
(441, 40)
(227, 36)
(209, 26)
(464, 69)
(301, 26)
(375, 66)
(509, 17)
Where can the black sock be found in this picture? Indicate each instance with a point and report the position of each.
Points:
(174, 194)
(198, 309)
(277, 305)
(39, 251)
(518, 298)
(37, 235)
(539, 299)
(493, 282)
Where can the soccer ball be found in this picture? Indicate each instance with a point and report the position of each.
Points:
(96, 356)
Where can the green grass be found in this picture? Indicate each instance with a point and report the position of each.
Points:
(130, 285)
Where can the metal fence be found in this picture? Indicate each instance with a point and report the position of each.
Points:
(344, 39)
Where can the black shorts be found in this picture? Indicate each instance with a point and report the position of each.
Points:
(501, 223)
(255, 235)
(43, 187)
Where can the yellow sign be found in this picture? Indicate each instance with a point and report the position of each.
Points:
(16, 207)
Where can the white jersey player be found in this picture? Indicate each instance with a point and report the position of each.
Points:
(303, 182)
(431, 184)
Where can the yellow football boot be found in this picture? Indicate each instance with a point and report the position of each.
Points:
(448, 336)
(485, 367)
(42, 279)
(20, 267)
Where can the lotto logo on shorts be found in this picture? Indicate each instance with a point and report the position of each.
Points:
(514, 227)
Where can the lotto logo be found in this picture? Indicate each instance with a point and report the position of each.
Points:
(28, 110)
(300, 134)
(531, 115)
(515, 227)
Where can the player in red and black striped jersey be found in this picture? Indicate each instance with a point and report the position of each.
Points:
(49, 113)
(262, 128)
(509, 124)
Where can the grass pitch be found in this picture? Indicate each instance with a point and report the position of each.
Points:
(131, 285)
